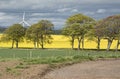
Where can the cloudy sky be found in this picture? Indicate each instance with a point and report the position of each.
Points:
(57, 11)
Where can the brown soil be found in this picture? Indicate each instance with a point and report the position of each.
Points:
(8, 70)
(101, 69)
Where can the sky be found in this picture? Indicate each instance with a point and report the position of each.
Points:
(57, 11)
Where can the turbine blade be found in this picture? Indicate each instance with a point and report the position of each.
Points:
(21, 22)
(26, 23)
(23, 16)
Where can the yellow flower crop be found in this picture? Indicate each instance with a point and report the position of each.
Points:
(60, 41)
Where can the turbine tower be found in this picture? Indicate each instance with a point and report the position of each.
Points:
(23, 22)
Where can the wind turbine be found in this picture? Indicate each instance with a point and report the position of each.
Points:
(23, 22)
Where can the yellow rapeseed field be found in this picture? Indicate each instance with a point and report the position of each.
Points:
(60, 41)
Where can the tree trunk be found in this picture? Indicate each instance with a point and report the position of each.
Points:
(79, 41)
(37, 41)
(98, 47)
(72, 41)
(35, 44)
(16, 44)
(109, 44)
(42, 42)
(42, 46)
(82, 42)
(117, 45)
(12, 43)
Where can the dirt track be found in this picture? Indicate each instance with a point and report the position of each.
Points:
(102, 69)
(8, 70)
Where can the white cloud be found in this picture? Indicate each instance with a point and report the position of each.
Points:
(4, 16)
(101, 10)
(42, 14)
(1, 13)
(67, 10)
(13, 4)
(74, 10)
(51, 19)
(89, 13)
(8, 19)
(64, 9)
(114, 10)
(38, 14)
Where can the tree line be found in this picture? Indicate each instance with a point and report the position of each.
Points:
(77, 26)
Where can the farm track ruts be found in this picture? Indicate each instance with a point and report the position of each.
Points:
(101, 69)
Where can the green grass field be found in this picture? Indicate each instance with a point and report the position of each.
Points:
(36, 56)
(37, 53)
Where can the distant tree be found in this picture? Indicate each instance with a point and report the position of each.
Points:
(71, 32)
(32, 34)
(114, 24)
(109, 28)
(97, 34)
(57, 32)
(81, 24)
(40, 33)
(15, 33)
(2, 29)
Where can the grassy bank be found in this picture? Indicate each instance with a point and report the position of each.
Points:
(48, 56)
